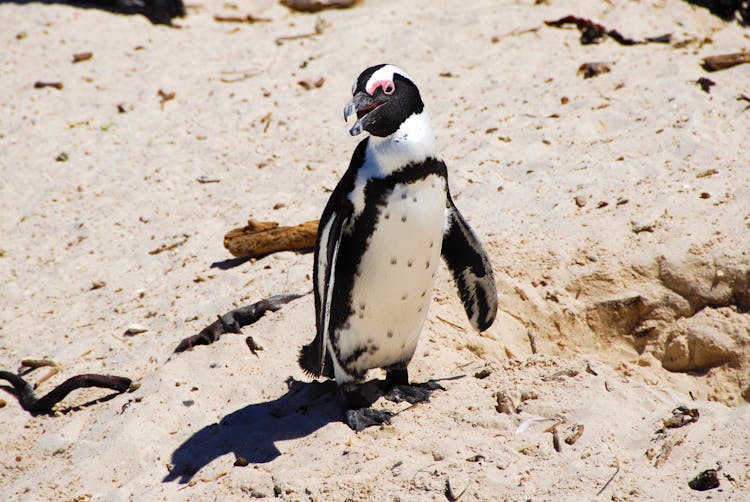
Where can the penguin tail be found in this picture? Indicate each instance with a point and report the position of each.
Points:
(309, 361)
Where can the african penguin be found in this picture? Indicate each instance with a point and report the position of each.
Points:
(379, 242)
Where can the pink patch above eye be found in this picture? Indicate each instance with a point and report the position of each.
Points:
(387, 86)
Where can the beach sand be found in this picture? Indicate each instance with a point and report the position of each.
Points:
(615, 209)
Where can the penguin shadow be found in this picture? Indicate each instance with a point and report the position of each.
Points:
(250, 433)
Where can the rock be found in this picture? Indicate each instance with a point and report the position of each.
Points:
(703, 341)
(698, 280)
(135, 329)
(504, 403)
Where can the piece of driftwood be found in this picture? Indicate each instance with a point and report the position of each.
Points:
(260, 238)
(724, 61)
(29, 402)
(318, 5)
(234, 320)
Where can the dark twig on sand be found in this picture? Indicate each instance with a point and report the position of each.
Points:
(234, 320)
(44, 404)
(41, 85)
(592, 33)
(617, 470)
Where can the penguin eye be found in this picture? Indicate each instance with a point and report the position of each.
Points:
(389, 88)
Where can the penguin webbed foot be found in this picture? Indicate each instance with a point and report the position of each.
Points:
(358, 399)
(413, 393)
(361, 419)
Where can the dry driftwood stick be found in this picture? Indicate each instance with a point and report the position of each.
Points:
(44, 404)
(724, 61)
(232, 321)
(260, 238)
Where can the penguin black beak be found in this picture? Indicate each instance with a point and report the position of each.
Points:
(361, 104)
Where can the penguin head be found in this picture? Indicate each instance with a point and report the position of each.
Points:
(383, 98)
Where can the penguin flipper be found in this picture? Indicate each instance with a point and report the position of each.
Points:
(314, 358)
(470, 267)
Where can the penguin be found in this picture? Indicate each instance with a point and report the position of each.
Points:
(380, 239)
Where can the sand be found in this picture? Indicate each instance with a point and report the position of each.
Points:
(616, 211)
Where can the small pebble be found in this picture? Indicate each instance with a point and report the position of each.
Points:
(134, 329)
(639, 227)
(483, 373)
(504, 403)
(188, 402)
(528, 395)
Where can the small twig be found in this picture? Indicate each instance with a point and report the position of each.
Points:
(617, 465)
(40, 85)
(249, 18)
(168, 247)
(556, 440)
(591, 32)
(532, 341)
(165, 96)
(54, 370)
(238, 76)
(451, 324)
(82, 56)
(319, 27)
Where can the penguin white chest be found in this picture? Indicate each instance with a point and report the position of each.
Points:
(392, 293)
